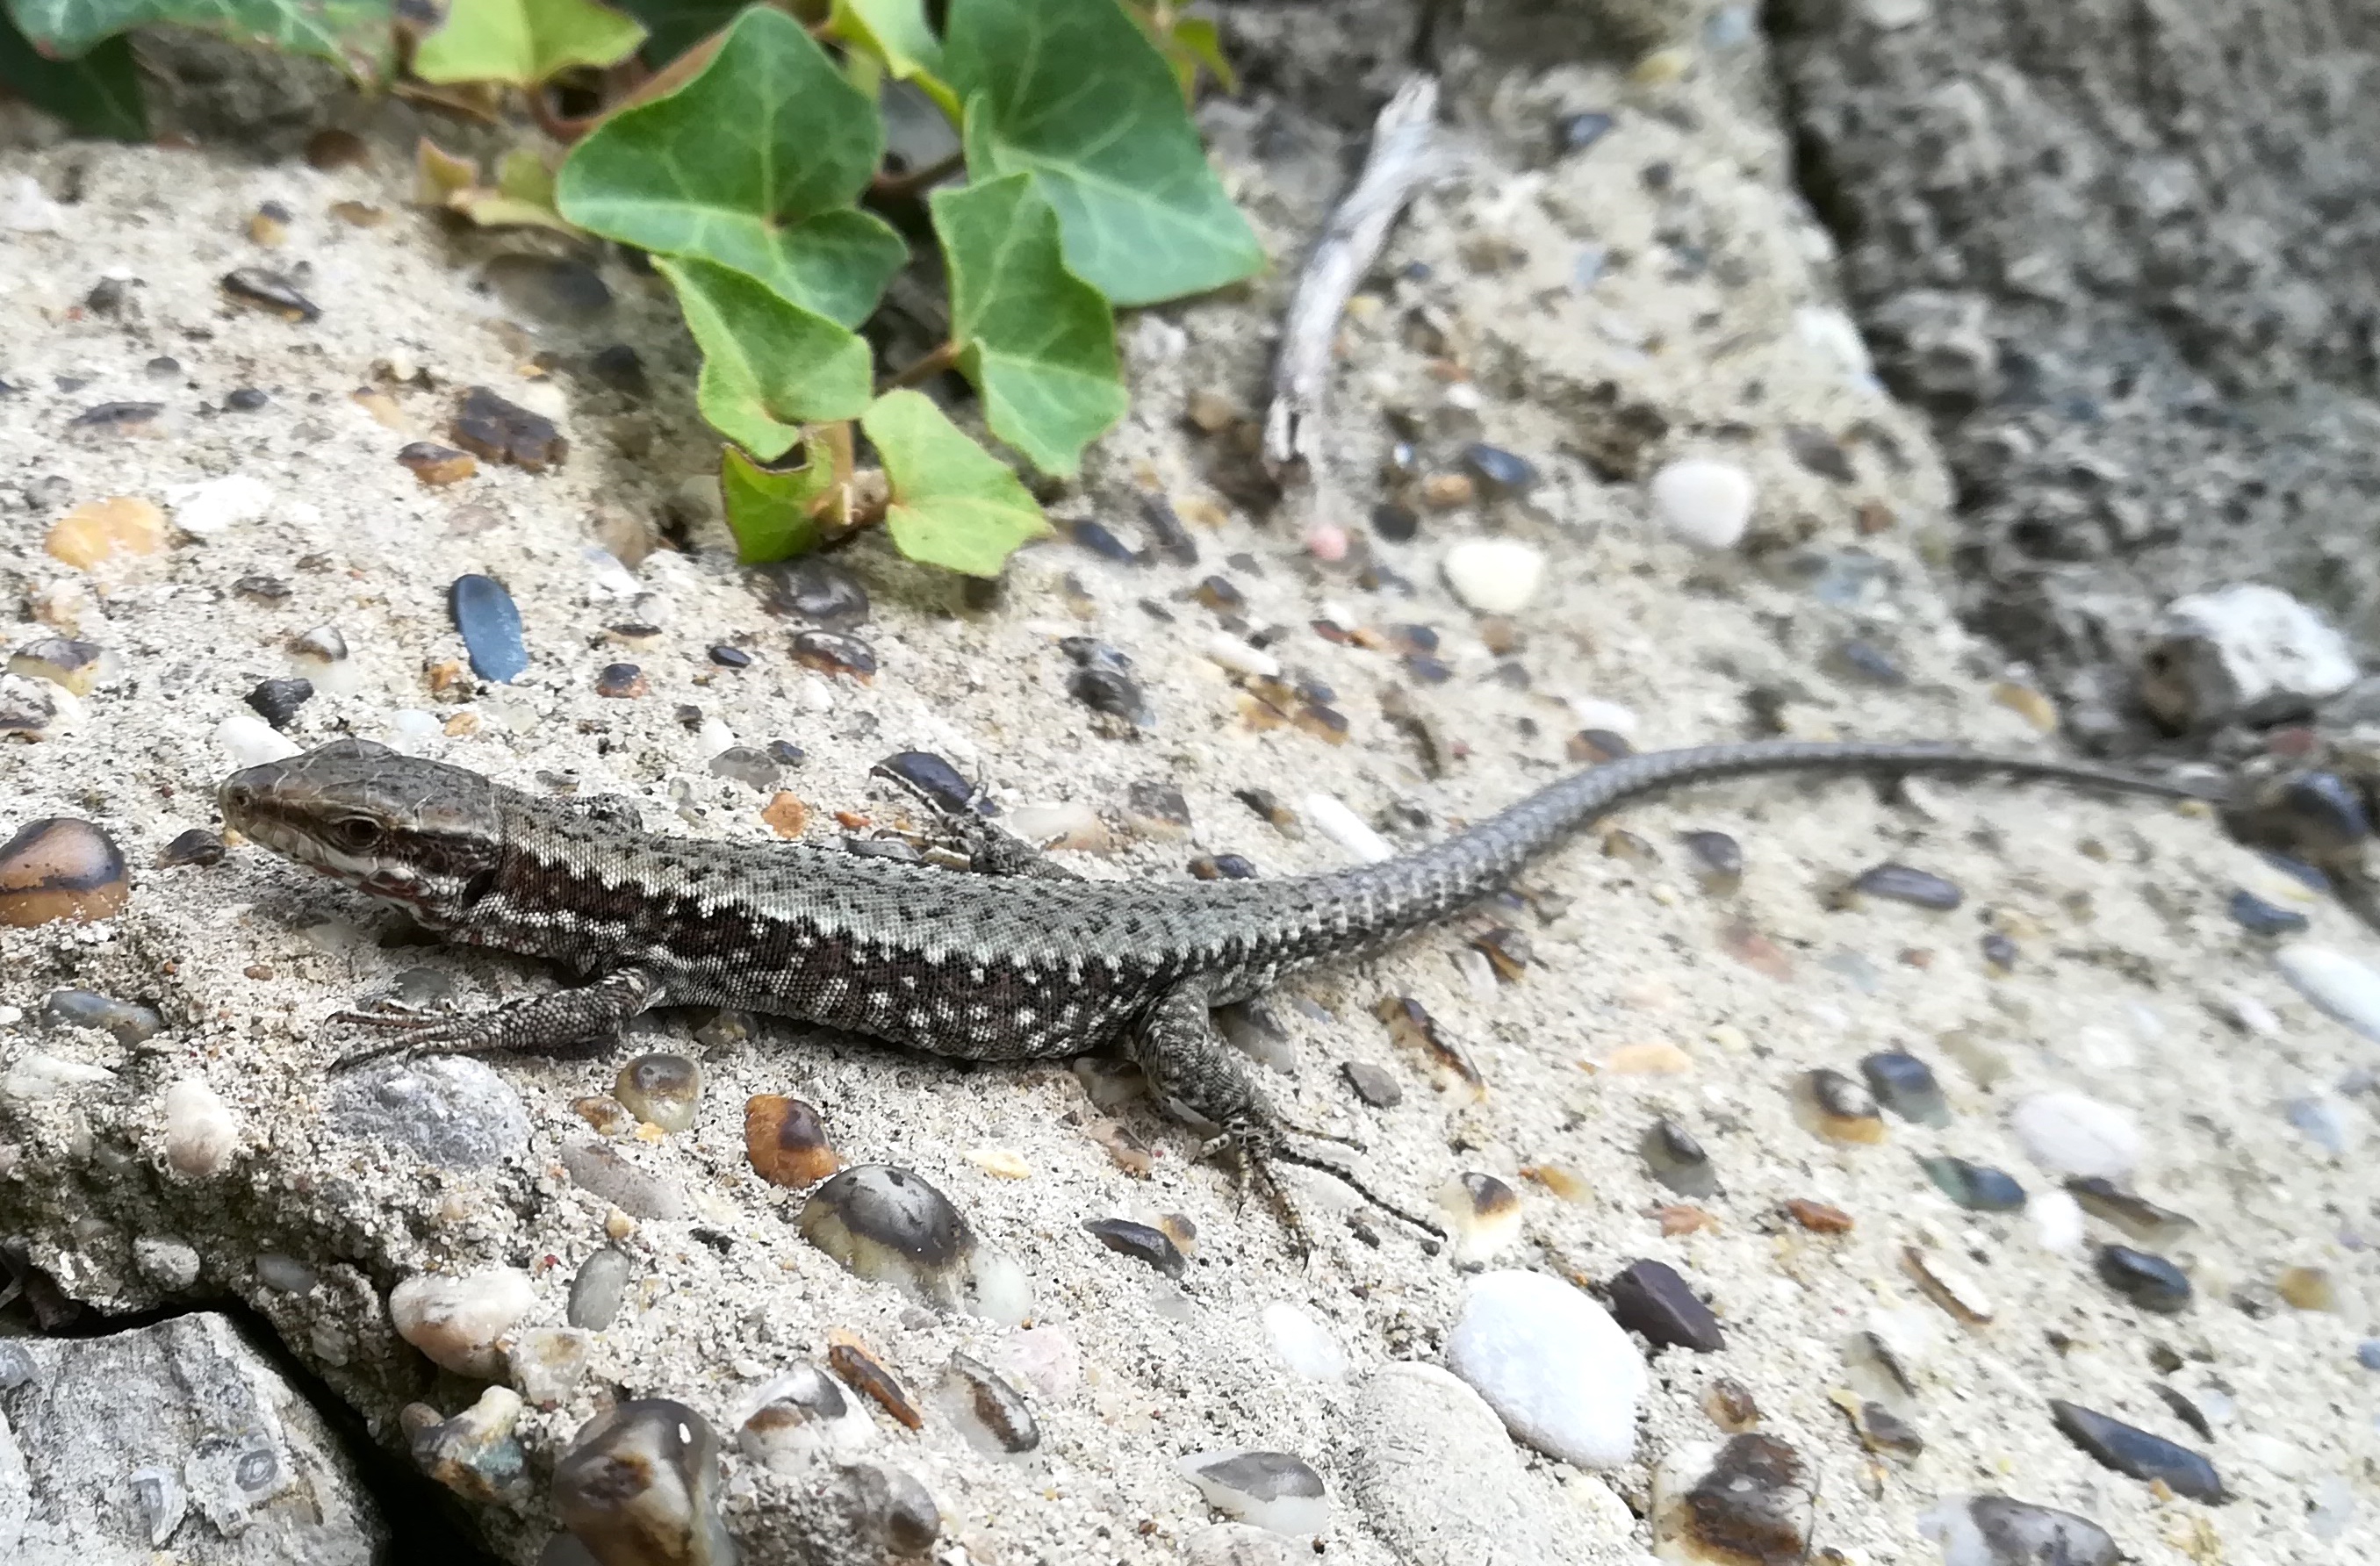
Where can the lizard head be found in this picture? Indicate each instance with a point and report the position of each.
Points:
(420, 834)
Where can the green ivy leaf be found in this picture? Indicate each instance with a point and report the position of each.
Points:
(896, 32)
(769, 366)
(1073, 92)
(355, 33)
(768, 509)
(96, 95)
(1195, 41)
(1038, 341)
(524, 42)
(955, 504)
(754, 165)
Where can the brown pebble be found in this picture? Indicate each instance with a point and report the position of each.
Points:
(437, 466)
(785, 814)
(829, 653)
(1593, 748)
(1755, 951)
(196, 846)
(59, 868)
(606, 1114)
(1565, 1183)
(786, 1142)
(2307, 1288)
(1507, 951)
(1684, 1217)
(102, 530)
(1412, 1026)
(333, 149)
(1831, 1105)
(849, 1358)
(1322, 723)
(1126, 1151)
(1731, 1406)
(270, 291)
(1444, 492)
(621, 682)
(359, 214)
(1818, 1217)
(505, 432)
(1211, 412)
(269, 225)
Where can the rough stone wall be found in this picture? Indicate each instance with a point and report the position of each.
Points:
(2122, 254)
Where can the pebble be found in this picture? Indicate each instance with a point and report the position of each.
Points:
(474, 1453)
(459, 1321)
(1436, 1475)
(2149, 1282)
(1948, 1286)
(1996, 1530)
(744, 764)
(660, 1089)
(100, 530)
(277, 701)
(1866, 664)
(2338, 984)
(2134, 1452)
(61, 868)
(2136, 1216)
(246, 399)
(1493, 575)
(321, 655)
(1906, 1085)
(2323, 1121)
(2307, 1288)
(489, 427)
(2245, 653)
(1304, 1342)
(1140, 1241)
(249, 741)
(172, 1264)
(819, 590)
(889, 1224)
(1499, 473)
(76, 666)
(639, 1487)
(1273, 1490)
(891, 1514)
(1749, 1501)
(216, 505)
(548, 1363)
(1372, 1085)
(1552, 1363)
(941, 784)
(1718, 861)
(1483, 1215)
(271, 292)
(2257, 917)
(1704, 503)
(2074, 1133)
(491, 625)
(785, 1142)
(989, 1413)
(453, 1111)
(1577, 133)
(1978, 1187)
(1346, 829)
(1905, 883)
(1415, 1030)
(602, 1171)
(597, 1289)
(1649, 1297)
(1819, 1218)
(801, 1417)
(129, 1021)
(1831, 1105)
(860, 1368)
(202, 1133)
(1677, 1159)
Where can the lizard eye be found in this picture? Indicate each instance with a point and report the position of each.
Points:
(357, 832)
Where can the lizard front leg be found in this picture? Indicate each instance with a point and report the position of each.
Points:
(1189, 1065)
(538, 1022)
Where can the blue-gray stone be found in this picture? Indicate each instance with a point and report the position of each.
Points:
(2260, 918)
(491, 625)
(1905, 1084)
(2149, 1282)
(1905, 883)
(2367, 1353)
(2133, 1451)
(128, 1021)
(1978, 1187)
(1498, 472)
(451, 1111)
(1578, 132)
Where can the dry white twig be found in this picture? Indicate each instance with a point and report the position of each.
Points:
(1301, 376)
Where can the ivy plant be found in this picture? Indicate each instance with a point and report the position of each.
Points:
(743, 147)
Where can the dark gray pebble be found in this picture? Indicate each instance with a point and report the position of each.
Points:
(1118, 696)
(128, 1021)
(1649, 1297)
(1577, 133)
(1222, 867)
(1978, 1187)
(277, 700)
(1819, 452)
(1395, 523)
(728, 657)
(833, 653)
(246, 399)
(1906, 1085)
(807, 587)
(1903, 883)
(1095, 537)
(1372, 1085)
(116, 416)
(270, 290)
(1677, 1161)
(196, 846)
(1166, 532)
(2260, 918)
(2133, 1451)
(2000, 952)
(491, 625)
(742, 763)
(2148, 1281)
(1719, 861)
(551, 288)
(1499, 473)
(937, 779)
(1141, 1242)
(1867, 663)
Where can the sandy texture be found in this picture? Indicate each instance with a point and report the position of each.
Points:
(1709, 333)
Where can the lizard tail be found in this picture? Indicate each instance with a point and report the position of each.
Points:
(1400, 894)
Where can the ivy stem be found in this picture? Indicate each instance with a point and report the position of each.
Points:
(838, 446)
(916, 182)
(926, 367)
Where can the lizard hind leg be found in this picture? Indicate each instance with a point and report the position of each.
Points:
(1189, 1064)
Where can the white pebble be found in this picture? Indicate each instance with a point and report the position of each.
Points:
(36, 1076)
(2057, 1222)
(1834, 334)
(456, 1321)
(2074, 1134)
(249, 741)
(1552, 1363)
(1272, 1489)
(1240, 658)
(1593, 712)
(1346, 829)
(411, 728)
(2249, 1014)
(210, 507)
(1704, 503)
(1435, 1475)
(2336, 983)
(1302, 1342)
(1046, 1357)
(714, 737)
(201, 1130)
(607, 578)
(1493, 575)
(1003, 1294)
(25, 208)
